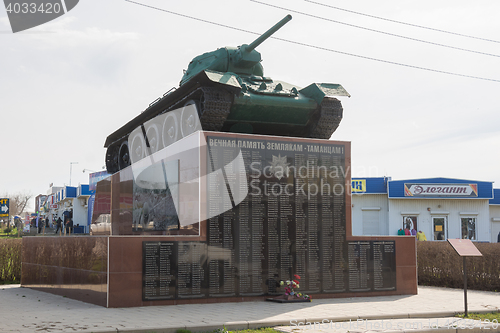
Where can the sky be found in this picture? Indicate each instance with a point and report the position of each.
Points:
(67, 84)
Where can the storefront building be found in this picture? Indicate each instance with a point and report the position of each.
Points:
(441, 208)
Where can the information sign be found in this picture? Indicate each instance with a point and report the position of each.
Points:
(4, 207)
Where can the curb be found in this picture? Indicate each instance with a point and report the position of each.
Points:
(242, 325)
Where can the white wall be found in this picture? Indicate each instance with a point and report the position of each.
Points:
(441, 207)
(79, 214)
(362, 202)
(495, 225)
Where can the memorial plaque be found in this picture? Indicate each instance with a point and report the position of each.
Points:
(384, 265)
(159, 264)
(372, 265)
(174, 270)
(465, 247)
(358, 255)
(191, 267)
(291, 222)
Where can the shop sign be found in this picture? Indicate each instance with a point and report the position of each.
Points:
(54, 206)
(440, 190)
(358, 185)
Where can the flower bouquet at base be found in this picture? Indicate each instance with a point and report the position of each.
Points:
(291, 294)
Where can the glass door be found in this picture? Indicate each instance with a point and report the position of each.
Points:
(440, 230)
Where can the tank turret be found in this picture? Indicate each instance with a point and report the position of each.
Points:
(226, 90)
(244, 59)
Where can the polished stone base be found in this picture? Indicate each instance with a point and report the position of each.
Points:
(288, 299)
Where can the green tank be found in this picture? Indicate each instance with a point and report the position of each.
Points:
(226, 90)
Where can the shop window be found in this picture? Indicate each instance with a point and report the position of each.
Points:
(439, 228)
(410, 224)
(469, 228)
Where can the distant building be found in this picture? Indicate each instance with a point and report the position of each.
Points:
(442, 208)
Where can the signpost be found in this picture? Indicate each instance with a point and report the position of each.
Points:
(465, 248)
(4, 209)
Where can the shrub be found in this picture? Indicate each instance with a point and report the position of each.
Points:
(439, 265)
(10, 260)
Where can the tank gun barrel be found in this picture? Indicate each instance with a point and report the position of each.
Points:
(268, 33)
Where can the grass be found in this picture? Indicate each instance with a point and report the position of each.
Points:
(222, 330)
(482, 316)
(260, 330)
(11, 234)
(9, 282)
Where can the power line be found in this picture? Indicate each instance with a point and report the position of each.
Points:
(405, 23)
(193, 18)
(374, 30)
(384, 61)
(314, 46)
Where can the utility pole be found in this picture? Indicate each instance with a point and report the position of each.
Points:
(70, 169)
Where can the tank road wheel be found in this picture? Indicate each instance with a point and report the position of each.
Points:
(137, 147)
(154, 140)
(329, 119)
(170, 130)
(189, 118)
(123, 156)
(112, 159)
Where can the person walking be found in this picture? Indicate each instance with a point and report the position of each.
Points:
(40, 224)
(59, 225)
(68, 225)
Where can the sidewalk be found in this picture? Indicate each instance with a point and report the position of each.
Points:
(26, 310)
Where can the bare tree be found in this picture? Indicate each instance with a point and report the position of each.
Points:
(17, 202)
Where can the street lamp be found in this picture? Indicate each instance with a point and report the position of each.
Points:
(70, 169)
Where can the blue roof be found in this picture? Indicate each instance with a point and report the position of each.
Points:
(70, 192)
(496, 197)
(83, 189)
(369, 185)
(442, 188)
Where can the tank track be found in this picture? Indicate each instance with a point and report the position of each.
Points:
(215, 107)
(329, 120)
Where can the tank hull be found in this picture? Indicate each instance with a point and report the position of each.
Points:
(229, 102)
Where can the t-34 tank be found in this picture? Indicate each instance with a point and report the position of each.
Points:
(229, 92)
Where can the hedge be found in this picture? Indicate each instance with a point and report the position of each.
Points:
(10, 260)
(440, 266)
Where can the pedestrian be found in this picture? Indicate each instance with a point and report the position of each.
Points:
(69, 225)
(59, 224)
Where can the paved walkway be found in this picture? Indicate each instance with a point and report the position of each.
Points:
(26, 310)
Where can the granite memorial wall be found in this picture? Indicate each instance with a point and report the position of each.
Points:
(219, 217)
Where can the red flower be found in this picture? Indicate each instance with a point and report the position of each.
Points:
(297, 282)
(297, 277)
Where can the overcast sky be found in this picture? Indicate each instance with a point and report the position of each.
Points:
(66, 85)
